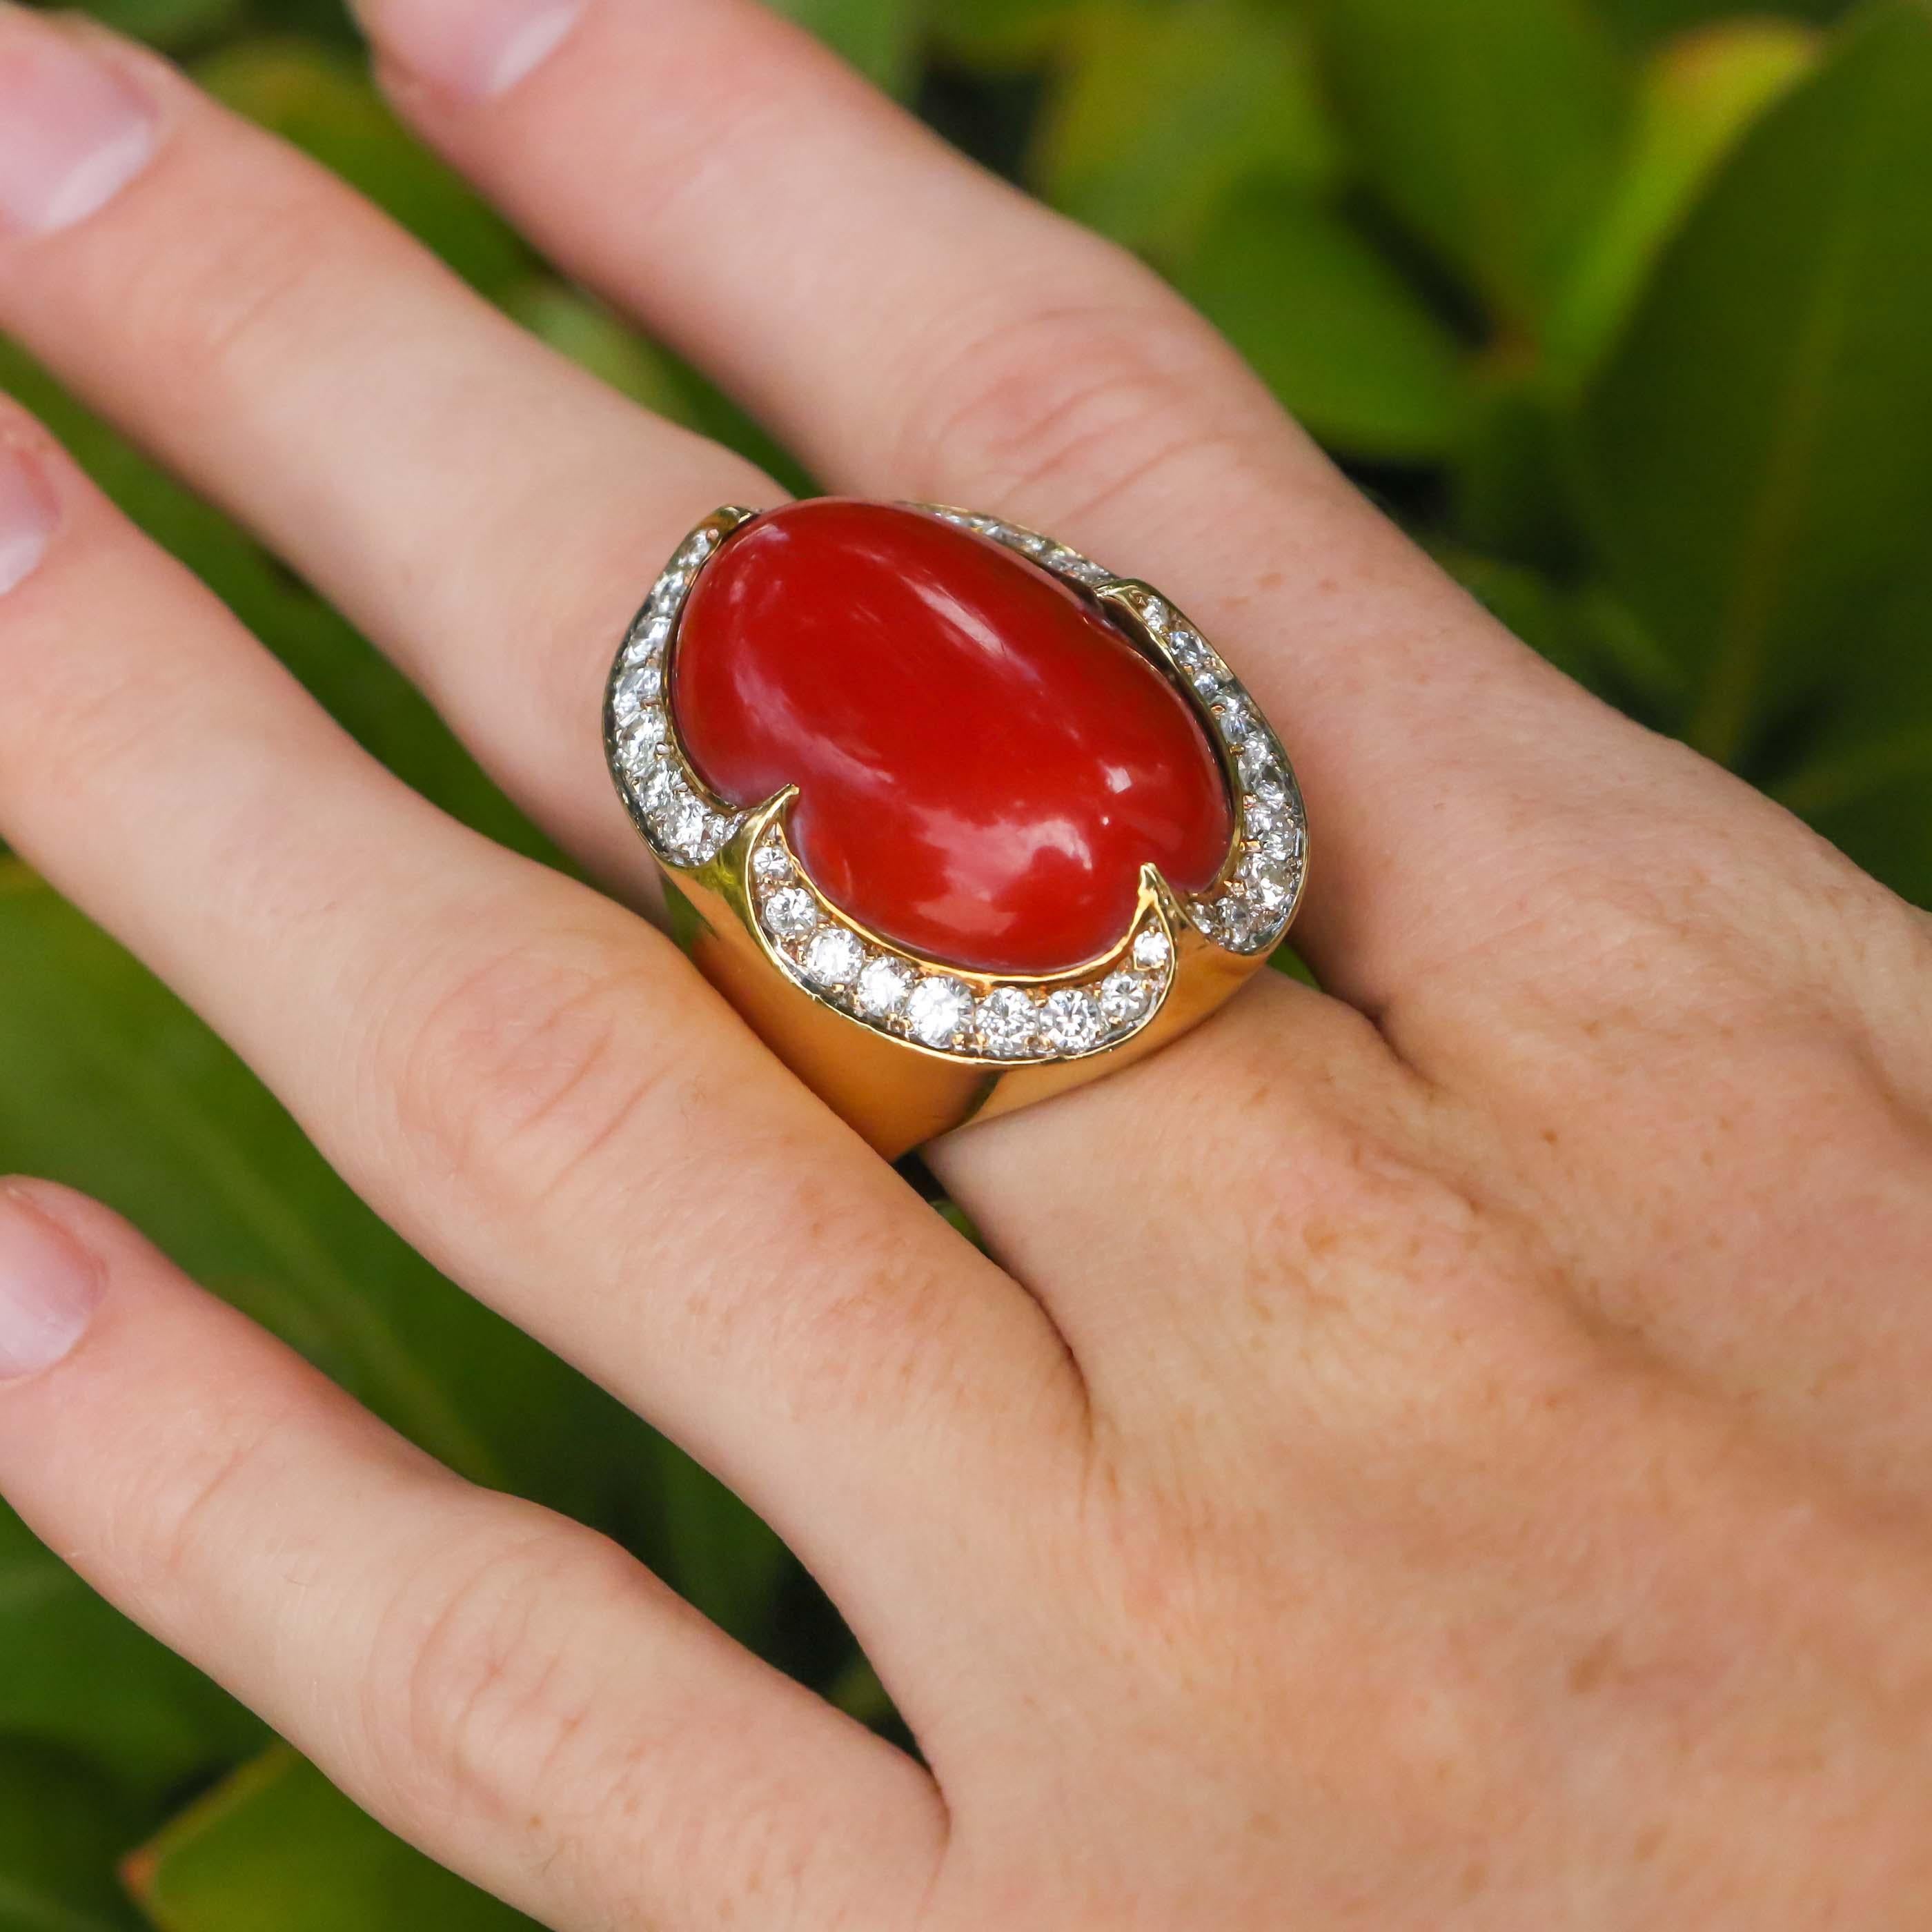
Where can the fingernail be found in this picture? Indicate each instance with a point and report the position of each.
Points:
(476, 49)
(74, 132)
(27, 516)
(49, 1287)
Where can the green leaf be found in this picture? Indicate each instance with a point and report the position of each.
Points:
(723, 1559)
(1330, 325)
(1647, 19)
(1164, 109)
(278, 1847)
(1699, 95)
(1004, 34)
(168, 23)
(75, 1673)
(63, 1828)
(1511, 490)
(1757, 456)
(1490, 128)
(1867, 784)
(324, 103)
(881, 38)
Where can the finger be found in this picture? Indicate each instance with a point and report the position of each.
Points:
(488, 513)
(939, 335)
(530, 1084)
(500, 1686)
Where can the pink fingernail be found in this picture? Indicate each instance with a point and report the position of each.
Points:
(27, 517)
(74, 132)
(49, 1288)
(474, 49)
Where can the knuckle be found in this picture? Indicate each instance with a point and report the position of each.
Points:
(484, 1701)
(169, 1536)
(1074, 403)
(210, 297)
(519, 1073)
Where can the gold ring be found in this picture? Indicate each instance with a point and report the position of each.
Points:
(960, 763)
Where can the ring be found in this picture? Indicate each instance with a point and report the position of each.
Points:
(955, 817)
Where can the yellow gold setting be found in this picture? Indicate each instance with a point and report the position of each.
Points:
(906, 1047)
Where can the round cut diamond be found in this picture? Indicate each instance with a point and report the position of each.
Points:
(770, 866)
(1125, 998)
(883, 986)
(1083, 570)
(1190, 650)
(1268, 884)
(833, 958)
(1070, 1020)
(1007, 1021)
(648, 641)
(1235, 721)
(642, 684)
(1236, 923)
(685, 827)
(937, 1009)
(1275, 830)
(791, 914)
(1151, 950)
(1207, 680)
(638, 741)
(1261, 773)
(663, 786)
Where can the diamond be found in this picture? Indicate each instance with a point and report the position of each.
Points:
(1190, 649)
(1274, 830)
(771, 866)
(1125, 998)
(1070, 1021)
(649, 640)
(638, 740)
(883, 987)
(1269, 885)
(791, 914)
(662, 788)
(1224, 920)
(1261, 773)
(639, 686)
(1208, 681)
(1235, 722)
(685, 825)
(1082, 569)
(1151, 950)
(834, 957)
(1007, 1020)
(937, 1009)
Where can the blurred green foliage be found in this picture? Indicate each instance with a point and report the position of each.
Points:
(1624, 306)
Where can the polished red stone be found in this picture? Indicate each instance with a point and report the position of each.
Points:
(983, 764)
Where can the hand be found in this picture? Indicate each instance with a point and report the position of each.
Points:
(1450, 1451)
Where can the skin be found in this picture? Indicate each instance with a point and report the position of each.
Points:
(1447, 1451)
